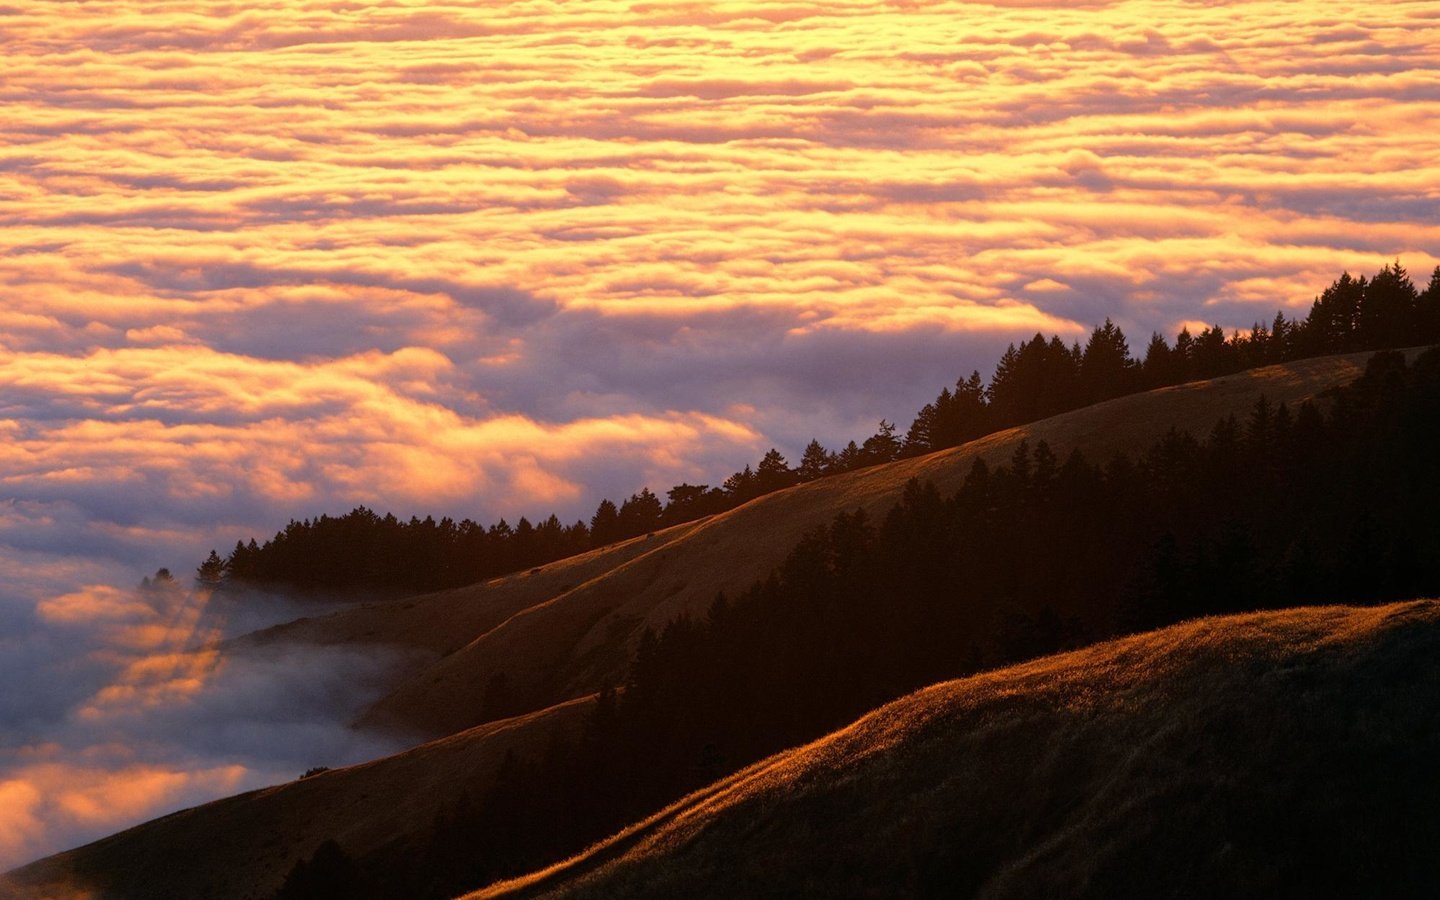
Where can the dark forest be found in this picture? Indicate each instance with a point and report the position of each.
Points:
(362, 554)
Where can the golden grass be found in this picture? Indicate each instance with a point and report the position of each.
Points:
(1132, 724)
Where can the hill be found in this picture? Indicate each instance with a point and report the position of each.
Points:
(560, 633)
(241, 847)
(1262, 755)
(580, 639)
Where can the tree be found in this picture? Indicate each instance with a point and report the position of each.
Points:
(773, 473)
(882, 446)
(815, 462)
(1387, 309)
(920, 439)
(1330, 327)
(848, 458)
(640, 514)
(1427, 311)
(1210, 355)
(1284, 335)
(1160, 366)
(690, 501)
(211, 572)
(742, 486)
(962, 415)
(605, 524)
(1105, 366)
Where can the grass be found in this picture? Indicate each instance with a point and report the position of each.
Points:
(1265, 755)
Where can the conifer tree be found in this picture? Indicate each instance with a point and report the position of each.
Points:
(605, 524)
(815, 462)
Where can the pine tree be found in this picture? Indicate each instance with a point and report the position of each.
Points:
(212, 571)
(1159, 367)
(1105, 365)
(1387, 309)
(605, 524)
(882, 446)
(640, 514)
(815, 462)
(1427, 311)
(920, 438)
(773, 473)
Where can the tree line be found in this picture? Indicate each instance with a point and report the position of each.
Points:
(364, 553)
(1280, 508)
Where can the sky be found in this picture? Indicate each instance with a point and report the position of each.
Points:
(267, 260)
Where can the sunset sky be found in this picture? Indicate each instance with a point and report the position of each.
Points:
(267, 260)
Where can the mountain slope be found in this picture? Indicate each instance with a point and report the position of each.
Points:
(557, 630)
(1275, 754)
(241, 847)
(581, 639)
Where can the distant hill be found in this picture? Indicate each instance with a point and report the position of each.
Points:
(1286, 754)
(532, 648)
(580, 639)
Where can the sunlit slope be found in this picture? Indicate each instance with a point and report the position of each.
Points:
(432, 625)
(1276, 754)
(241, 848)
(580, 640)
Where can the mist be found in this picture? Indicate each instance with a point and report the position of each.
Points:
(128, 703)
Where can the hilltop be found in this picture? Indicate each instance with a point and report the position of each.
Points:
(1277, 754)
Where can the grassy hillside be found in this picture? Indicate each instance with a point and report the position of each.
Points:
(559, 633)
(581, 639)
(242, 847)
(1263, 755)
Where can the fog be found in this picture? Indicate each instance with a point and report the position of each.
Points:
(123, 704)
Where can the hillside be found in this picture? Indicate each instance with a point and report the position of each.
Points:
(559, 633)
(1275, 754)
(579, 640)
(241, 847)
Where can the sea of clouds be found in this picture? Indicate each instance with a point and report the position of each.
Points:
(267, 260)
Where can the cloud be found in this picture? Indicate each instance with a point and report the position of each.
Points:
(265, 261)
(130, 710)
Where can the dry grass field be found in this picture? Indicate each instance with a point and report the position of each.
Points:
(1263, 755)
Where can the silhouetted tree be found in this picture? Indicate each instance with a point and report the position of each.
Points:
(773, 473)
(605, 524)
(882, 446)
(815, 463)
(640, 514)
(1106, 369)
(212, 571)
(742, 487)
(1161, 367)
(1387, 310)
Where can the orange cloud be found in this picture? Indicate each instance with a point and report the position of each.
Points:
(45, 796)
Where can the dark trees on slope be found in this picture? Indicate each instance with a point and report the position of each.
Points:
(363, 552)
(1273, 510)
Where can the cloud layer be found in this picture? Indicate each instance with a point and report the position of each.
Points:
(272, 259)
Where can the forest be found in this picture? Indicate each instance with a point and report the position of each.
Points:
(1284, 507)
(362, 554)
